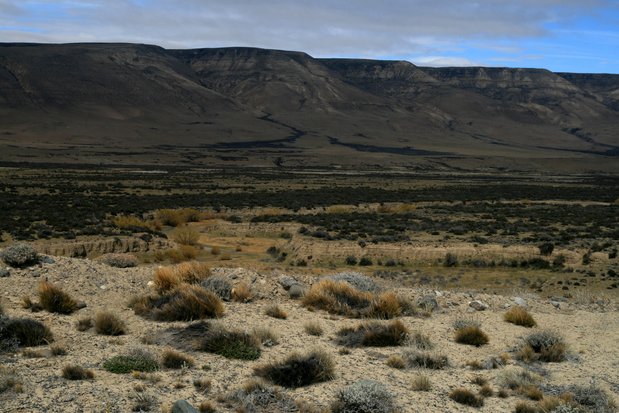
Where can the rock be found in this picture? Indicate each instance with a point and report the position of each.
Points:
(556, 304)
(478, 305)
(182, 406)
(4, 272)
(46, 259)
(287, 282)
(520, 301)
(427, 302)
(81, 305)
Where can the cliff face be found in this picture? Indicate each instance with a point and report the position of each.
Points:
(133, 100)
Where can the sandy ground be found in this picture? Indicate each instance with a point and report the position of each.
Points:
(591, 331)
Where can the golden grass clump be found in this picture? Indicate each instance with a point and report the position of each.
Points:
(129, 221)
(386, 306)
(520, 316)
(241, 293)
(184, 303)
(108, 324)
(173, 359)
(54, 300)
(471, 335)
(171, 217)
(168, 278)
(337, 298)
(276, 311)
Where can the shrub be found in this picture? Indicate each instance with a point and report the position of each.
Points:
(525, 407)
(467, 397)
(255, 396)
(171, 217)
(241, 292)
(184, 303)
(9, 380)
(75, 372)
(231, 344)
(519, 316)
(313, 328)
(546, 248)
(109, 324)
(463, 322)
(83, 324)
(351, 260)
(451, 260)
(514, 378)
(24, 332)
(299, 370)
(337, 297)
(135, 360)
(215, 250)
(189, 252)
(472, 335)
(546, 345)
(54, 300)
(356, 280)
(425, 360)
(365, 396)
(421, 383)
(219, 286)
(365, 261)
(119, 260)
(276, 312)
(186, 235)
(374, 334)
(19, 255)
(57, 350)
(172, 359)
(421, 341)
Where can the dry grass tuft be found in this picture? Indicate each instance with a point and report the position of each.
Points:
(184, 303)
(58, 350)
(543, 345)
(241, 293)
(83, 324)
(186, 235)
(421, 383)
(486, 391)
(525, 407)
(466, 397)
(75, 372)
(396, 361)
(374, 334)
(313, 328)
(230, 344)
(387, 305)
(206, 407)
(337, 298)
(519, 316)
(109, 324)
(298, 370)
(471, 335)
(421, 359)
(172, 359)
(54, 300)
(275, 311)
(24, 332)
(168, 278)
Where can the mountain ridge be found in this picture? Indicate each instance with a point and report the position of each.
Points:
(58, 102)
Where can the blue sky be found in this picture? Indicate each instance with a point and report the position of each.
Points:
(560, 35)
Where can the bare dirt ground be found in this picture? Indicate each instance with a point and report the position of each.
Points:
(590, 328)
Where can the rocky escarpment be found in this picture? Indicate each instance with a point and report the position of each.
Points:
(98, 246)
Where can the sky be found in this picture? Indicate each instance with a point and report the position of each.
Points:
(559, 35)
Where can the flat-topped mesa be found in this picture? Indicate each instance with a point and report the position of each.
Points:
(499, 77)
